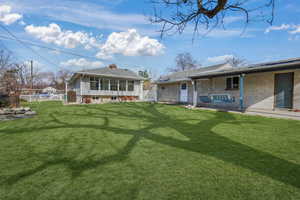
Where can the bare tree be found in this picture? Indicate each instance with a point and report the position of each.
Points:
(9, 82)
(176, 15)
(62, 76)
(184, 61)
(5, 60)
(24, 75)
(236, 61)
(5, 66)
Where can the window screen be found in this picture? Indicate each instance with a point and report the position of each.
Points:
(130, 85)
(94, 83)
(122, 85)
(104, 84)
(113, 85)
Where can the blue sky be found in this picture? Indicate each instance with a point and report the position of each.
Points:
(118, 32)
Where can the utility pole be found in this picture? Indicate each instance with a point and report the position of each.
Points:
(31, 73)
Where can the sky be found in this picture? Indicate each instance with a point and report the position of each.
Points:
(104, 32)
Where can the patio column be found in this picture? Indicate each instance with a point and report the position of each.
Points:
(242, 77)
(195, 93)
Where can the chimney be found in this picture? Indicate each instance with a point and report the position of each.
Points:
(112, 66)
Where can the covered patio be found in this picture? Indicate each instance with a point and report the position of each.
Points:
(272, 88)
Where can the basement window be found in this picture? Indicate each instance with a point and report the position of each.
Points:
(232, 83)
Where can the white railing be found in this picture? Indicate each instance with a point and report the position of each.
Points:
(110, 93)
(43, 97)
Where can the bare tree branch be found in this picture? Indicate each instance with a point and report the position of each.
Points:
(175, 16)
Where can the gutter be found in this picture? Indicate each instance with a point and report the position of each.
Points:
(169, 82)
(102, 75)
(249, 70)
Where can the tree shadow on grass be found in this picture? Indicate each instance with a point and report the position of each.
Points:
(202, 139)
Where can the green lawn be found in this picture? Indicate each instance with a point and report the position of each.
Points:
(132, 151)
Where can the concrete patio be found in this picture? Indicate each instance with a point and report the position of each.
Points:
(283, 114)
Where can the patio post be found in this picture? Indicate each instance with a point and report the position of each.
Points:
(242, 77)
(195, 93)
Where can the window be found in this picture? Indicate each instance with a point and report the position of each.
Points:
(130, 85)
(235, 82)
(104, 84)
(122, 85)
(183, 86)
(114, 85)
(96, 98)
(232, 83)
(94, 83)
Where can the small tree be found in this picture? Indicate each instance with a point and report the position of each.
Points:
(184, 61)
(144, 74)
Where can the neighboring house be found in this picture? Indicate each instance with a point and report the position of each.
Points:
(49, 90)
(106, 84)
(265, 86)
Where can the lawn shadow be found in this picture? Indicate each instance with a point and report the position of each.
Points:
(202, 139)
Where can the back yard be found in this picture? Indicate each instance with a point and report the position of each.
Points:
(147, 151)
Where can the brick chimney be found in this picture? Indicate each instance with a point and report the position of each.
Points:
(112, 66)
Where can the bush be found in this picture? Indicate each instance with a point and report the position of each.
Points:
(4, 101)
(23, 101)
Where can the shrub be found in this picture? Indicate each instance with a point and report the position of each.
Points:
(4, 101)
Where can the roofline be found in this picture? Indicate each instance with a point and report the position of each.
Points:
(250, 70)
(104, 75)
(188, 78)
(174, 81)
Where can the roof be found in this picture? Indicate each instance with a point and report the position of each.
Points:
(185, 75)
(109, 72)
(256, 68)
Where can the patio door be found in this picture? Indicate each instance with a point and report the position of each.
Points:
(284, 87)
(183, 93)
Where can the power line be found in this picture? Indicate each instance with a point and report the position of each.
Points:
(51, 48)
(25, 45)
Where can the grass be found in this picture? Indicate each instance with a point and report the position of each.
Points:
(147, 151)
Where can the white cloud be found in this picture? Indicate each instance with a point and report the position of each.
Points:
(291, 28)
(296, 29)
(7, 17)
(81, 62)
(130, 43)
(68, 39)
(232, 19)
(219, 59)
(22, 23)
(85, 13)
(278, 28)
